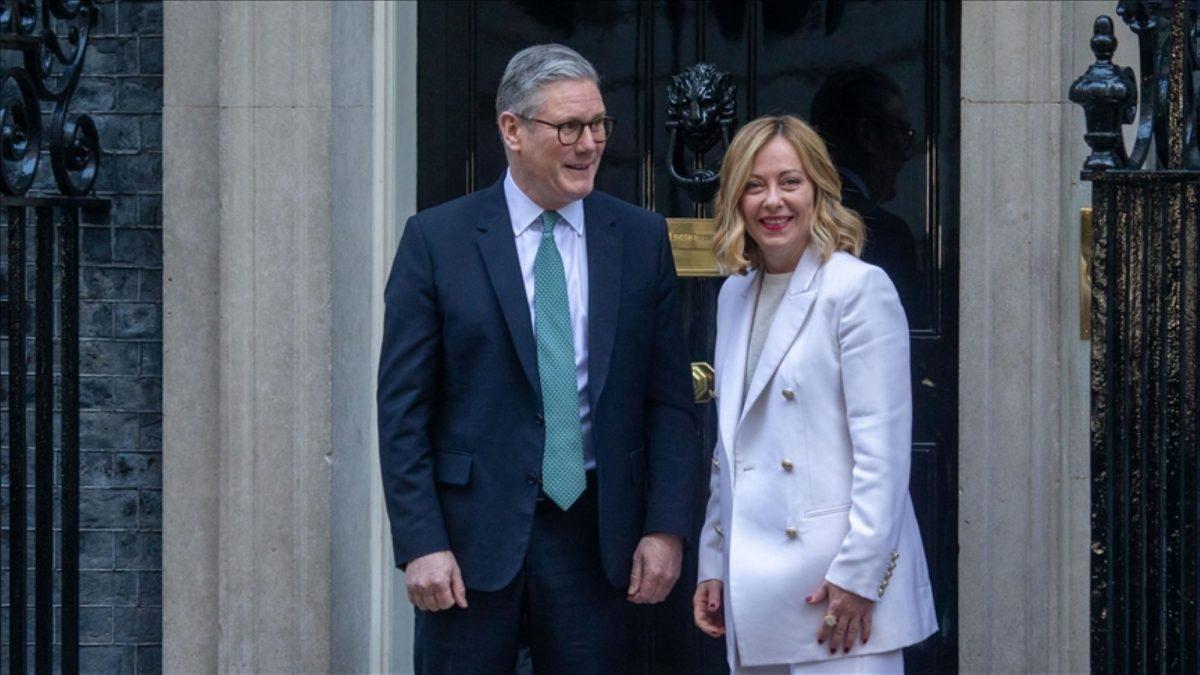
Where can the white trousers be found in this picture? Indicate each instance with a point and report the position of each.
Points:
(887, 663)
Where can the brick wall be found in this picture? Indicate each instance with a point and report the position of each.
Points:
(121, 348)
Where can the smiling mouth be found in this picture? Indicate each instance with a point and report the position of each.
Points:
(774, 223)
(579, 167)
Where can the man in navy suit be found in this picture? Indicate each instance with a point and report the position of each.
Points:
(537, 439)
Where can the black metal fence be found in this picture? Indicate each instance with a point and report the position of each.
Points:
(1145, 342)
(42, 46)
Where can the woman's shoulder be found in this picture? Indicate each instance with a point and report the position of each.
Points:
(845, 274)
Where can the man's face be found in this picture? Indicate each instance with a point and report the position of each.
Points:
(550, 173)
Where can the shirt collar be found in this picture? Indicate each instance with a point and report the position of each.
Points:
(523, 212)
(855, 180)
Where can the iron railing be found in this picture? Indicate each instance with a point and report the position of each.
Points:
(43, 46)
(1145, 372)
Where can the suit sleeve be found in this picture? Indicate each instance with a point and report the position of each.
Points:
(409, 362)
(672, 443)
(873, 337)
(711, 561)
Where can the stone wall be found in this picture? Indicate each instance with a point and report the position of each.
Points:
(120, 348)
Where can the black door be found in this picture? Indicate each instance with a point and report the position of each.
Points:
(890, 69)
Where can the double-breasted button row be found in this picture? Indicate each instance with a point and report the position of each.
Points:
(887, 575)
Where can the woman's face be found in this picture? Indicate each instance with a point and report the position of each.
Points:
(777, 205)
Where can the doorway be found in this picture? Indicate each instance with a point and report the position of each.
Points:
(898, 65)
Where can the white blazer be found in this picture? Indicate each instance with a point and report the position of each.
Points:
(810, 473)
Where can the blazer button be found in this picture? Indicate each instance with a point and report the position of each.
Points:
(789, 394)
(787, 465)
(719, 530)
(531, 478)
(716, 464)
(792, 533)
(539, 419)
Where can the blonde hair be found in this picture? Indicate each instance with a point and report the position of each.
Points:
(834, 227)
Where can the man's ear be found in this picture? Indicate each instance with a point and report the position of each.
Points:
(509, 125)
(865, 136)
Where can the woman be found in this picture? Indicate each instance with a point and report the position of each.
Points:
(810, 558)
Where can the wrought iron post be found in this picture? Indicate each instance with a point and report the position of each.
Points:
(1145, 372)
(43, 45)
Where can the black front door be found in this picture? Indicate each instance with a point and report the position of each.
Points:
(887, 73)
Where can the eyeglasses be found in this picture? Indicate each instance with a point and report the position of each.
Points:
(571, 131)
(909, 132)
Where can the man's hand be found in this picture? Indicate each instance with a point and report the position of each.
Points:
(706, 607)
(434, 582)
(656, 564)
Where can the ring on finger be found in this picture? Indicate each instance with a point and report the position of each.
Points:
(831, 620)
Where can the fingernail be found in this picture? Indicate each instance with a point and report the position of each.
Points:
(833, 651)
(847, 650)
(820, 641)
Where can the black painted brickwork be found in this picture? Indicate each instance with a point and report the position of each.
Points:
(120, 350)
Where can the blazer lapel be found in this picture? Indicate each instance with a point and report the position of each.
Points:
(604, 291)
(789, 318)
(732, 376)
(498, 247)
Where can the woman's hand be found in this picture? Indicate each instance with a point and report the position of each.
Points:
(853, 614)
(706, 607)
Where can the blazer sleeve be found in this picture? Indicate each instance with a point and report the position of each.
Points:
(711, 561)
(672, 442)
(873, 339)
(409, 362)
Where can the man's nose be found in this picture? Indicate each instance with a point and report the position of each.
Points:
(587, 141)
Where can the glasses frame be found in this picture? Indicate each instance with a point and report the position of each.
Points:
(607, 123)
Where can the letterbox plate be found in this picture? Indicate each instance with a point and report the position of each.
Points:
(691, 244)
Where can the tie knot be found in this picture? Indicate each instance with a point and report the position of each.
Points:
(549, 220)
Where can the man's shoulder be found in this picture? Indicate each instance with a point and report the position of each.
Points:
(457, 215)
(623, 212)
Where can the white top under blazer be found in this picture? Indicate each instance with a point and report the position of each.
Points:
(810, 472)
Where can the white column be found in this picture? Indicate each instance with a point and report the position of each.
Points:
(1024, 400)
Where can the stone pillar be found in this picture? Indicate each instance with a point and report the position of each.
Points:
(1024, 447)
(257, 171)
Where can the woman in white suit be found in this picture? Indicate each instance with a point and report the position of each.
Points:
(810, 558)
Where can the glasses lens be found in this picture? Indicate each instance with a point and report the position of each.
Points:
(569, 132)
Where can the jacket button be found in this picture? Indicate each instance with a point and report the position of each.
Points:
(540, 419)
(792, 533)
(789, 394)
(787, 465)
(716, 464)
(719, 530)
(531, 478)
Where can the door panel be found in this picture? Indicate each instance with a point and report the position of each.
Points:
(779, 55)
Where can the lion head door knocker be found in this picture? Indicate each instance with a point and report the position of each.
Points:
(701, 111)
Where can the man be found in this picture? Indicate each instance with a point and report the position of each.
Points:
(537, 438)
(862, 115)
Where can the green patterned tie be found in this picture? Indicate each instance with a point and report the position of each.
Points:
(563, 478)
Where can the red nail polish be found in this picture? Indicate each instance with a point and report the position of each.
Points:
(808, 598)
(847, 650)
(820, 641)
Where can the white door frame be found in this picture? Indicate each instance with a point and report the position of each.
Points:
(394, 134)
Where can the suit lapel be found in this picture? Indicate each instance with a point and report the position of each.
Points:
(498, 247)
(604, 291)
(732, 376)
(789, 318)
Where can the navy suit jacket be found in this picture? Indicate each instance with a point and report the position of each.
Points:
(459, 404)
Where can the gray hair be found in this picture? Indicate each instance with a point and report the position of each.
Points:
(534, 67)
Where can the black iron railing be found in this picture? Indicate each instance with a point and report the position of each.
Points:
(1145, 341)
(42, 47)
